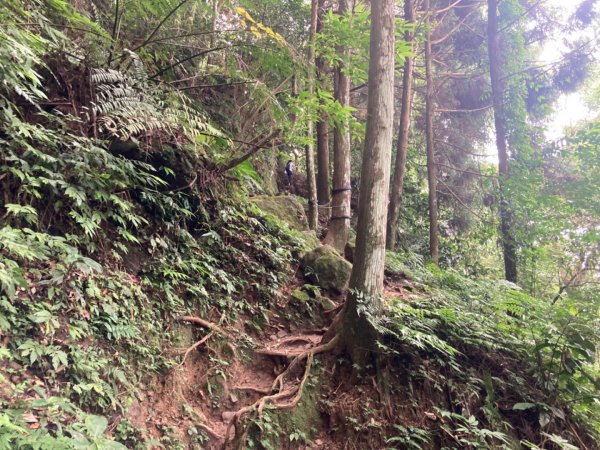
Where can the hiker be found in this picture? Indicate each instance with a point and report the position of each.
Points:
(289, 171)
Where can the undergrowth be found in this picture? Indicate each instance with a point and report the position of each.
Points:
(99, 254)
(101, 251)
(511, 369)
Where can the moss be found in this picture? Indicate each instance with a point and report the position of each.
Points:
(310, 240)
(285, 207)
(326, 268)
(305, 417)
(291, 428)
(302, 295)
(326, 303)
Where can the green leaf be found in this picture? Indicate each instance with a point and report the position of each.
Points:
(96, 425)
(523, 406)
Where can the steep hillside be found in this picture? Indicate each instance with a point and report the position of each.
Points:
(157, 290)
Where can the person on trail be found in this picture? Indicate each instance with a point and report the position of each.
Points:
(289, 171)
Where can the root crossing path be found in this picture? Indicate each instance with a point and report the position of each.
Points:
(227, 377)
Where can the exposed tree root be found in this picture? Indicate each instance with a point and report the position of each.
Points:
(195, 346)
(210, 431)
(284, 398)
(274, 352)
(251, 388)
(205, 324)
(291, 339)
(290, 353)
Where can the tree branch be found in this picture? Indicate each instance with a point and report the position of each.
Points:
(204, 86)
(483, 108)
(195, 55)
(262, 143)
(173, 11)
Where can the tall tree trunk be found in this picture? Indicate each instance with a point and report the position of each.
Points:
(323, 168)
(323, 165)
(403, 132)
(366, 280)
(508, 244)
(431, 166)
(309, 150)
(339, 226)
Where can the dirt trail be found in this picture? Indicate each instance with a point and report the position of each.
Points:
(223, 375)
(233, 369)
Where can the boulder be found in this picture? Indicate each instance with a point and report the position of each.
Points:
(312, 294)
(326, 268)
(285, 208)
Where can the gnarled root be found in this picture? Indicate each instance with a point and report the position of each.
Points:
(205, 324)
(284, 398)
(209, 430)
(195, 346)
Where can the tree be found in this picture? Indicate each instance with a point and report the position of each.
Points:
(339, 226)
(323, 166)
(508, 243)
(403, 132)
(309, 148)
(429, 140)
(366, 280)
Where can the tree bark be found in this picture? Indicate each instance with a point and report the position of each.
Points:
(323, 168)
(366, 280)
(403, 132)
(309, 149)
(339, 226)
(508, 243)
(431, 166)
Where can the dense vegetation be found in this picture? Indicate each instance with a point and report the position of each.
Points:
(161, 286)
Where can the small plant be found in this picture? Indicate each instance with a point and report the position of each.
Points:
(90, 434)
(409, 437)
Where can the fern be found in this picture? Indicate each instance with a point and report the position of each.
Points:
(127, 105)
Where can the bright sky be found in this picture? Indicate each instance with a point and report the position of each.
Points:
(570, 109)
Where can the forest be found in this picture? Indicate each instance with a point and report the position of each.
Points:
(299, 224)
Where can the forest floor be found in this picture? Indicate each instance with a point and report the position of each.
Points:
(206, 392)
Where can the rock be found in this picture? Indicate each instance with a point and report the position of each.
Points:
(311, 241)
(233, 398)
(327, 304)
(327, 269)
(285, 208)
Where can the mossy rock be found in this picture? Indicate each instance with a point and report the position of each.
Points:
(326, 303)
(285, 207)
(312, 294)
(301, 295)
(311, 241)
(327, 268)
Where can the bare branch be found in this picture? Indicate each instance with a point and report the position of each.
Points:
(162, 22)
(265, 142)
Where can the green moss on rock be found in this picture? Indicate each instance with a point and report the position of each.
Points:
(301, 295)
(285, 207)
(325, 267)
